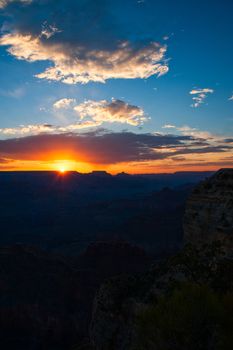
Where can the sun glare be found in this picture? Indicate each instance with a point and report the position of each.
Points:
(62, 167)
(62, 170)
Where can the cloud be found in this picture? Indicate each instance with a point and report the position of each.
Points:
(4, 3)
(36, 129)
(91, 115)
(188, 130)
(205, 135)
(14, 93)
(103, 147)
(115, 111)
(64, 103)
(95, 147)
(202, 137)
(230, 98)
(81, 40)
(168, 126)
(27, 129)
(200, 96)
(4, 161)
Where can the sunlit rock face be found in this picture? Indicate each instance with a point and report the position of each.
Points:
(209, 209)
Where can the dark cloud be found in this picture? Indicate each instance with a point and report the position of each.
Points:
(209, 149)
(228, 140)
(101, 147)
(224, 164)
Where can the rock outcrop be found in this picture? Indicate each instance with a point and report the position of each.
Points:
(122, 301)
(209, 210)
(206, 267)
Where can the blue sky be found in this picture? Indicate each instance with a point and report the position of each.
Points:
(197, 52)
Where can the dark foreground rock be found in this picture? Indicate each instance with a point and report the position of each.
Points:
(46, 300)
(183, 303)
(209, 210)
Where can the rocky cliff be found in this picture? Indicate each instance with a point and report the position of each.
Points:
(166, 307)
(209, 209)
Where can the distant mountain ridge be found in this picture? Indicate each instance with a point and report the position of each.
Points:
(66, 212)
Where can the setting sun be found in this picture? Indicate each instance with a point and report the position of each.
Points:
(63, 166)
(62, 170)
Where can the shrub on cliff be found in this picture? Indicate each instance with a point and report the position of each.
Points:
(192, 317)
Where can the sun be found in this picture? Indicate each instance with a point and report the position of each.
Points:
(62, 170)
(62, 166)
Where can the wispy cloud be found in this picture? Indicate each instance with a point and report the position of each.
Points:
(27, 130)
(37, 129)
(64, 103)
(169, 126)
(199, 96)
(78, 54)
(230, 98)
(17, 92)
(188, 130)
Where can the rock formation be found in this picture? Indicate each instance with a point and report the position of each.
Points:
(121, 302)
(209, 210)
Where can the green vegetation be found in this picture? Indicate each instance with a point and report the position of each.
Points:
(192, 317)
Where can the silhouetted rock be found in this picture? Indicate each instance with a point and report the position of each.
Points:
(121, 302)
(146, 311)
(46, 300)
(100, 173)
(109, 258)
(41, 300)
(209, 210)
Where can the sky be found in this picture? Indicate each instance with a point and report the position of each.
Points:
(140, 86)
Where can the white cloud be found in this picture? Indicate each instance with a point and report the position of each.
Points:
(115, 111)
(231, 98)
(168, 126)
(32, 129)
(91, 115)
(187, 130)
(199, 96)
(125, 62)
(64, 103)
(77, 54)
(199, 134)
(36, 129)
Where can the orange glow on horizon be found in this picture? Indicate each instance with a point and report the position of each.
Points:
(63, 165)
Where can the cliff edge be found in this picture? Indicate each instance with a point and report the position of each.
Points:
(209, 209)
